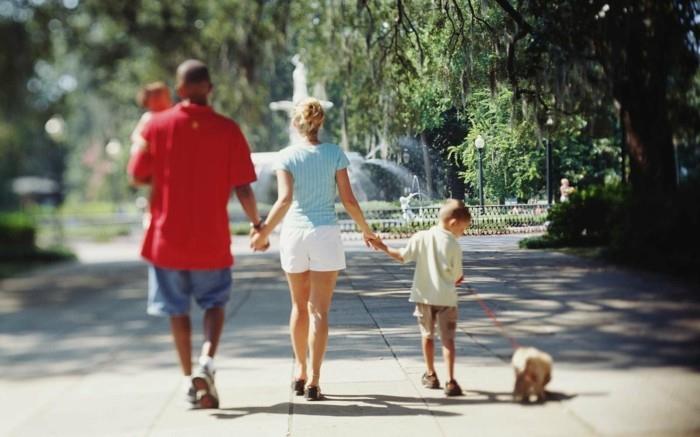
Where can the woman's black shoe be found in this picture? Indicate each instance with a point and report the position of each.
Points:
(313, 393)
(298, 386)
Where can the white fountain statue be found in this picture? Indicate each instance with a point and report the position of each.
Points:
(405, 201)
(406, 211)
(300, 92)
(264, 161)
(364, 186)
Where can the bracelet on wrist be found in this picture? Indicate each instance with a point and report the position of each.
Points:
(259, 225)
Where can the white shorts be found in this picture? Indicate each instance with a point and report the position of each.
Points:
(319, 249)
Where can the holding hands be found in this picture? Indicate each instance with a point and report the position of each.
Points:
(371, 239)
(259, 242)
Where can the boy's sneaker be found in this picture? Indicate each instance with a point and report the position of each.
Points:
(191, 395)
(430, 381)
(453, 389)
(203, 383)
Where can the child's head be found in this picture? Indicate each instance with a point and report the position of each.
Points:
(455, 216)
(308, 117)
(155, 97)
(193, 81)
(565, 182)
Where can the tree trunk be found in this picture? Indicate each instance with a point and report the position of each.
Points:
(649, 144)
(455, 183)
(639, 64)
(344, 141)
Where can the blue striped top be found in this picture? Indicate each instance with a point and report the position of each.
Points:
(313, 169)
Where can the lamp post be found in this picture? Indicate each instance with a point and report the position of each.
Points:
(479, 144)
(549, 123)
(55, 127)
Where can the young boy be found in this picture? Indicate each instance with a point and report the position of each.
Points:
(438, 259)
(154, 97)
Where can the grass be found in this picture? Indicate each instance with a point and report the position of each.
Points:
(678, 266)
(98, 234)
(545, 241)
(14, 261)
(240, 228)
(592, 252)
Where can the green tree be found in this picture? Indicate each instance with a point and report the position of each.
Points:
(642, 53)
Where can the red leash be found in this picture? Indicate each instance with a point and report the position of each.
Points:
(491, 315)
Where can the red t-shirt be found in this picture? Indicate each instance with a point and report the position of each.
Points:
(193, 160)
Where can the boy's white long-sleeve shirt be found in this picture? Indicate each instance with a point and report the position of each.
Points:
(438, 259)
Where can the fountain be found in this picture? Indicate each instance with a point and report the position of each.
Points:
(299, 93)
(405, 201)
(371, 178)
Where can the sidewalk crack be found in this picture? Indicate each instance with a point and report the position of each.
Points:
(393, 353)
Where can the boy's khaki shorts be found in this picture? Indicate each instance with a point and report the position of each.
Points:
(446, 318)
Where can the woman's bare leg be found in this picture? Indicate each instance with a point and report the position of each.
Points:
(299, 288)
(322, 286)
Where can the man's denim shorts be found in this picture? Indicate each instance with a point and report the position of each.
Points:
(170, 291)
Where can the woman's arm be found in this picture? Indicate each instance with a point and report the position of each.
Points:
(285, 192)
(352, 206)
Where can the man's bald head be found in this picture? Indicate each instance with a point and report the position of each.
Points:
(193, 81)
(192, 71)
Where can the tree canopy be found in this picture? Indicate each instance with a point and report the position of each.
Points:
(619, 80)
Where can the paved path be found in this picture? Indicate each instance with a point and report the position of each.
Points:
(78, 356)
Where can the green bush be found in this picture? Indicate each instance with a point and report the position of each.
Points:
(17, 230)
(541, 242)
(588, 217)
(659, 231)
(18, 250)
(649, 230)
(240, 228)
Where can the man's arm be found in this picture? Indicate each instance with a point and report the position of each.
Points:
(246, 196)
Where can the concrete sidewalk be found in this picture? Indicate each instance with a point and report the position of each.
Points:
(79, 357)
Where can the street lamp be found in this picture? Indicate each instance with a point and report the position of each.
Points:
(55, 127)
(479, 143)
(549, 123)
(113, 148)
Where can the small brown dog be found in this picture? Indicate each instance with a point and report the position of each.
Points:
(533, 370)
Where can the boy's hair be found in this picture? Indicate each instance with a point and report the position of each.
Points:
(454, 209)
(149, 90)
(192, 71)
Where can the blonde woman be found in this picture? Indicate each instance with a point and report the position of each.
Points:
(311, 251)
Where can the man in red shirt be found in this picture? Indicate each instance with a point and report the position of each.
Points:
(193, 157)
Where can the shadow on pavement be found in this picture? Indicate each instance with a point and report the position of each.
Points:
(583, 312)
(385, 405)
(327, 408)
(471, 397)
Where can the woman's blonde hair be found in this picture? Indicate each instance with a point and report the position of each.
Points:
(308, 117)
